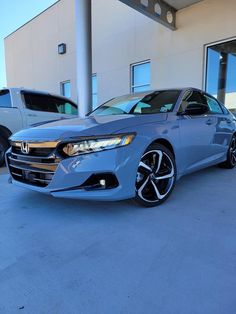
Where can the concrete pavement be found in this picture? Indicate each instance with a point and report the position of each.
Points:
(64, 256)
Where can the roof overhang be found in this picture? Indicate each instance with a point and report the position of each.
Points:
(161, 11)
(181, 4)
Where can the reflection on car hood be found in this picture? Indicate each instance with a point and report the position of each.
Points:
(89, 126)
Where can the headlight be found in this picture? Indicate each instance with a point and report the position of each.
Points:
(91, 145)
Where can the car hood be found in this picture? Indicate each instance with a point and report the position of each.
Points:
(89, 126)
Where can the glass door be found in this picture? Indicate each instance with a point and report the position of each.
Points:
(221, 73)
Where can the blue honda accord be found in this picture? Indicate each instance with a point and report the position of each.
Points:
(134, 146)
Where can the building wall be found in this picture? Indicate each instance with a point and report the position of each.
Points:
(121, 36)
(31, 52)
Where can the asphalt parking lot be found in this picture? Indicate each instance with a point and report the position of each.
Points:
(64, 256)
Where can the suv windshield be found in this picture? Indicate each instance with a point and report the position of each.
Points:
(156, 102)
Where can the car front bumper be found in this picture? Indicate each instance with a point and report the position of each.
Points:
(73, 172)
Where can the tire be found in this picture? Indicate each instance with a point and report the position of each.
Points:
(3, 148)
(230, 162)
(156, 176)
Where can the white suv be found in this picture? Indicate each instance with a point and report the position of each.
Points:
(21, 108)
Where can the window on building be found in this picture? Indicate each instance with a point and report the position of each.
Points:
(5, 98)
(40, 102)
(140, 76)
(66, 89)
(221, 72)
(95, 91)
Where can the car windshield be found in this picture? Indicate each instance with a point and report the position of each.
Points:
(153, 103)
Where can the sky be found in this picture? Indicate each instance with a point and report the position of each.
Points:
(13, 14)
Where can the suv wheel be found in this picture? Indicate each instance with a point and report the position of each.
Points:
(3, 148)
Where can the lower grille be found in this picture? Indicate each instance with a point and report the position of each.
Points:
(32, 170)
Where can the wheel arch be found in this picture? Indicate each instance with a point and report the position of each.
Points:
(5, 132)
(165, 143)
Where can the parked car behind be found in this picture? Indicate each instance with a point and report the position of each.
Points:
(134, 146)
(21, 108)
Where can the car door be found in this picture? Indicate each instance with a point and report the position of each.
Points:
(197, 133)
(224, 126)
(42, 108)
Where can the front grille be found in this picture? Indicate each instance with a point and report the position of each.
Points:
(36, 168)
(41, 152)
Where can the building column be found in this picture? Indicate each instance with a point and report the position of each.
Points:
(84, 55)
(222, 77)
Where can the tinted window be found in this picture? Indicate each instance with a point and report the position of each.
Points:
(213, 105)
(5, 98)
(158, 102)
(39, 102)
(65, 107)
(190, 98)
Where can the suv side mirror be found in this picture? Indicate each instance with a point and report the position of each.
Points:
(195, 109)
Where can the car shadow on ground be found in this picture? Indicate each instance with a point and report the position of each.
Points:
(197, 188)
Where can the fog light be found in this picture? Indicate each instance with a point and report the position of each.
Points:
(103, 183)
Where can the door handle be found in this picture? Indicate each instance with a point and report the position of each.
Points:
(210, 121)
(32, 115)
(227, 120)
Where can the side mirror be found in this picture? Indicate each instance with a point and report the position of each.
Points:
(195, 109)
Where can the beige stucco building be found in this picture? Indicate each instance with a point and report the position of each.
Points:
(123, 37)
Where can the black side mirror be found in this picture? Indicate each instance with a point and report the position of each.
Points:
(195, 109)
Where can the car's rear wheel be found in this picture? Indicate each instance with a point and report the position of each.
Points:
(3, 148)
(230, 162)
(156, 176)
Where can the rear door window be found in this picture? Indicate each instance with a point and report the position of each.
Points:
(38, 102)
(5, 99)
(46, 103)
(213, 104)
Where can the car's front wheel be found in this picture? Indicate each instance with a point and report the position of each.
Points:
(156, 176)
